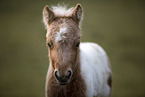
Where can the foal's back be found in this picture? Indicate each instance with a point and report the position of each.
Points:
(95, 69)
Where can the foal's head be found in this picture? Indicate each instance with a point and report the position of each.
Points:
(63, 39)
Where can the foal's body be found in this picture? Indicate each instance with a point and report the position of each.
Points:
(76, 69)
(95, 70)
(95, 75)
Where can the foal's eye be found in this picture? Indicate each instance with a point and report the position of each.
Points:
(78, 44)
(49, 45)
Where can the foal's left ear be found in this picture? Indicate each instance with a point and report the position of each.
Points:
(77, 13)
(48, 15)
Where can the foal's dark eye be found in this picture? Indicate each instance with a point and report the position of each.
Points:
(78, 44)
(48, 44)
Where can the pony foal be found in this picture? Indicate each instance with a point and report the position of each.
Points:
(76, 69)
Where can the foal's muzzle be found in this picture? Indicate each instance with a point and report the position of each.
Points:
(63, 79)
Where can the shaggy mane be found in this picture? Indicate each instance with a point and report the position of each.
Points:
(62, 10)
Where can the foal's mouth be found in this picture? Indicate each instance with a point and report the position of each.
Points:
(64, 83)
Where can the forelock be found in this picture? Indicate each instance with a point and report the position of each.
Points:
(61, 34)
(62, 10)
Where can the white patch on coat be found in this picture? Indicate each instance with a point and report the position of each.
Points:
(62, 10)
(95, 70)
(61, 34)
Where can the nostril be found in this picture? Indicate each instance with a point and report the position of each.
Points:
(62, 78)
(56, 75)
(69, 74)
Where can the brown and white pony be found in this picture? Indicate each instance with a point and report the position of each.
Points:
(76, 69)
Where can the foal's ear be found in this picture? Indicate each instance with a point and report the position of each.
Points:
(77, 13)
(48, 15)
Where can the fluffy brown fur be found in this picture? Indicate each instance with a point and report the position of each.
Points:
(64, 54)
(76, 87)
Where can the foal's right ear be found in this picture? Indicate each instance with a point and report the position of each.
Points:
(48, 15)
(78, 13)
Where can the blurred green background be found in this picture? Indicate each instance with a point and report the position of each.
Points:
(118, 26)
